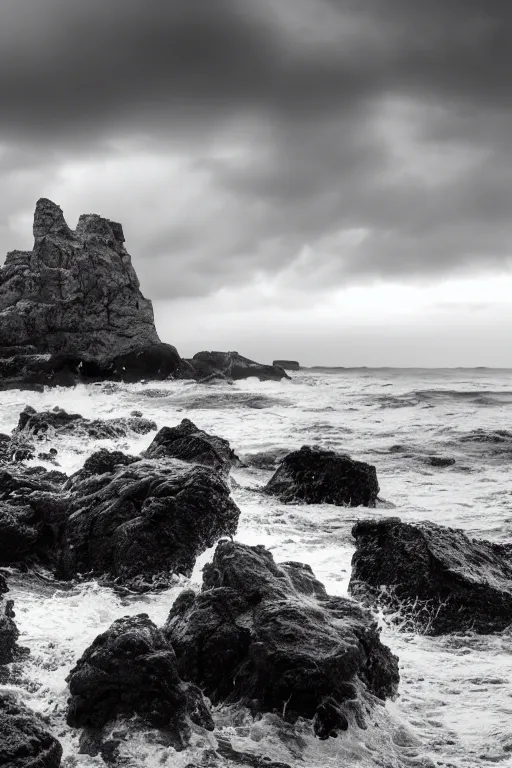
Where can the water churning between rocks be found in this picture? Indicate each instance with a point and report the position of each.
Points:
(441, 445)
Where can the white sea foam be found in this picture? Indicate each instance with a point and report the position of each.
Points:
(455, 702)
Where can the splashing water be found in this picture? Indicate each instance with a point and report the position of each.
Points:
(455, 702)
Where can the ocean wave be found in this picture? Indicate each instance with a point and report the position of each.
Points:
(438, 396)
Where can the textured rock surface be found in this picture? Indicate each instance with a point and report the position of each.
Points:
(438, 577)
(58, 422)
(279, 641)
(288, 365)
(317, 476)
(9, 634)
(146, 520)
(24, 534)
(233, 366)
(189, 443)
(24, 740)
(76, 292)
(131, 670)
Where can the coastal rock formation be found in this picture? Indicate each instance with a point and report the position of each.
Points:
(438, 578)
(23, 533)
(131, 670)
(280, 643)
(189, 443)
(318, 476)
(231, 365)
(9, 634)
(24, 740)
(288, 365)
(72, 308)
(143, 522)
(76, 292)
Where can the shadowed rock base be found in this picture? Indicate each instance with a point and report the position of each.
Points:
(437, 579)
(131, 670)
(24, 740)
(280, 643)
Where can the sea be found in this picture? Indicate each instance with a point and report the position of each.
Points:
(441, 441)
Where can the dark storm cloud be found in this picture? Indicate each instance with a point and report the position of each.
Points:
(388, 119)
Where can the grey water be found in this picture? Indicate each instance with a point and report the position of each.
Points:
(455, 702)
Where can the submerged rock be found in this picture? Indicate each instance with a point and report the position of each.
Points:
(24, 740)
(318, 476)
(58, 422)
(287, 365)
(279, 642)
(189, 443)
(233, 366)
(147, 520)
(131, 670)
(438, 578)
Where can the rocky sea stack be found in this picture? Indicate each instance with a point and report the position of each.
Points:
(71, 310)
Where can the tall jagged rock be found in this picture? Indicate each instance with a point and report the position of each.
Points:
(76, 292)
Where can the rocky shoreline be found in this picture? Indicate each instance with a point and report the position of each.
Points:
(71, 311)
(280, 642)
(258, 635)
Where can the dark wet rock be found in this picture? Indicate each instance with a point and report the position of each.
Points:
(156, 362)
(58, 422)
(440, 461)
(438, 579)
(288, 365)
(24, 739)
(71, 309)
(191, 444)
(9, 634)
(76, 292)
(280, 643)
(233, 366)
(318, 476)
(131, 670)
(147, 520)
(22, 522)
(103, 462)
(139, 522)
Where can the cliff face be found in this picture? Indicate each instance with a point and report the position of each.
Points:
(75, 293)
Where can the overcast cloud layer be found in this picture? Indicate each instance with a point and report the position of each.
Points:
(318, 143)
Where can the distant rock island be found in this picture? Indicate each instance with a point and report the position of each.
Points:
(71, 310)
(287, 365)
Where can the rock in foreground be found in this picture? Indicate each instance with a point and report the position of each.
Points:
(191, 444)
(131, 670)
(279, 642)
(144, 521)
(231, 365)
(438, 578)
(24, 740)
(318, 476)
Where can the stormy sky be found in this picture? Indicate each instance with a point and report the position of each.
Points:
(325, 180)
